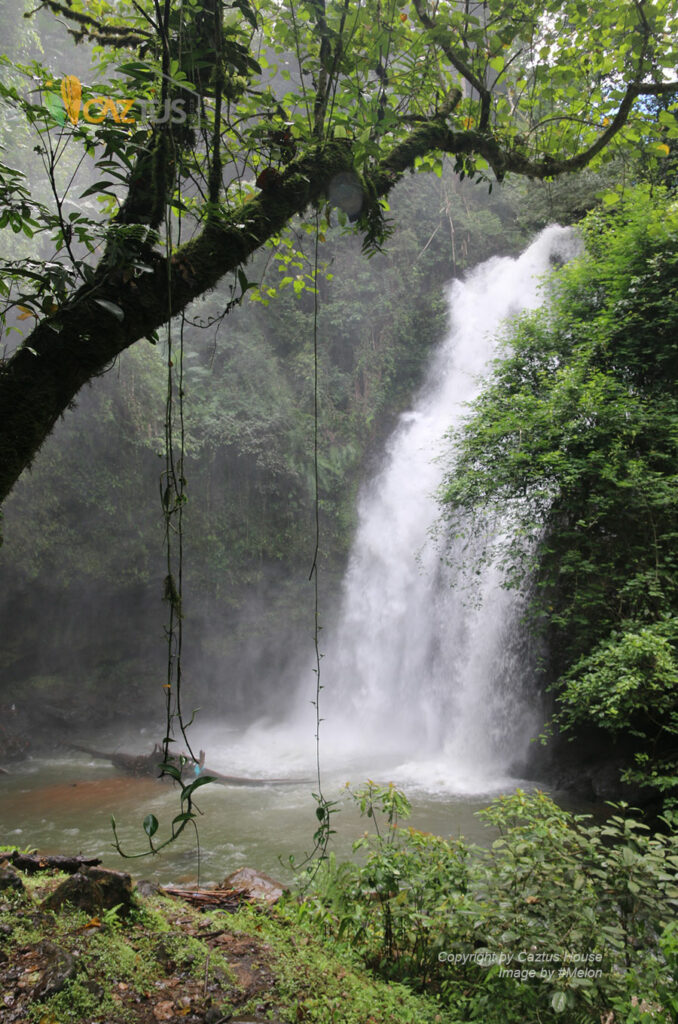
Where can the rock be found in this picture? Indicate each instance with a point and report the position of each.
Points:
(116, 887)
(59, 970)
(163, 952)
(93, 890)
(214, 1016)
(257, 885)
(146, 888)
(10, 880)
(164, 1010)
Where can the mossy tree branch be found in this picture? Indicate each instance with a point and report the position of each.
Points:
(119, 305)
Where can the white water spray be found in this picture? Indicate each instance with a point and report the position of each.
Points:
(421, 684)
(413, 670)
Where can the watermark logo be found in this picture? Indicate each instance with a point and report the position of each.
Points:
(68, 104)
(528, 964)
(71, 94)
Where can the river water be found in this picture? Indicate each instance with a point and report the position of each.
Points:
(64, 805)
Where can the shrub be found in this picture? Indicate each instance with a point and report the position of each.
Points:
(559, 915)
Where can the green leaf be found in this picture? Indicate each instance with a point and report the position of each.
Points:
(150, 825)
(559, 1001)
(101, 187)
(183, 818)
(202, 780)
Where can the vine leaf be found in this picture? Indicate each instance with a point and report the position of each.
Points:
(150, 825)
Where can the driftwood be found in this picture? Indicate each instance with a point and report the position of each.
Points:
(149, 764)
(34, 862)
(130, 764)
(209, 899)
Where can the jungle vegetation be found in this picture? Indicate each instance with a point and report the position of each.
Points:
(303, 119)
(572, 445)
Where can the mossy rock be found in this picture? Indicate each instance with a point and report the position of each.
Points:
(93, 890)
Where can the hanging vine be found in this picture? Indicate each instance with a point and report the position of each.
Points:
(324, 808)
(173, 501)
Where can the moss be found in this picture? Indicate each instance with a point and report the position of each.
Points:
(323, 985)
(249, 962)
(77, 1002)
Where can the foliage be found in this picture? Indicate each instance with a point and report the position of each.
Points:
(628, 684)
(324, 983)
(628, 675)
(572, 448)
(558, 916)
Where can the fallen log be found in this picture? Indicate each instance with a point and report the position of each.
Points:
(209, 899)
(150, 764)
(237, 780)
(131, 764)
(31, 863)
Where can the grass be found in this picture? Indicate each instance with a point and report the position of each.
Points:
(170, 958)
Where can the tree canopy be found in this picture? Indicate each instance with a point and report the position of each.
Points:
(211, 126)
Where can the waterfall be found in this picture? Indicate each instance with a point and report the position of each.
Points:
(413, 669)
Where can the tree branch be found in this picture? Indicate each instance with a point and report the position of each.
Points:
(40, 381)
(460, 66)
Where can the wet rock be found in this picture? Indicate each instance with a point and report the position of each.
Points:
(78, 890)
(59, 970)
(10, 880)
(116, 887)
(93, 890)
(146, 888)
(255, 884)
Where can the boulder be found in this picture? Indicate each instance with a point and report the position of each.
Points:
(93, 890)
(59, 969)
(255, 884)
(146, 888)
(10, 880)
